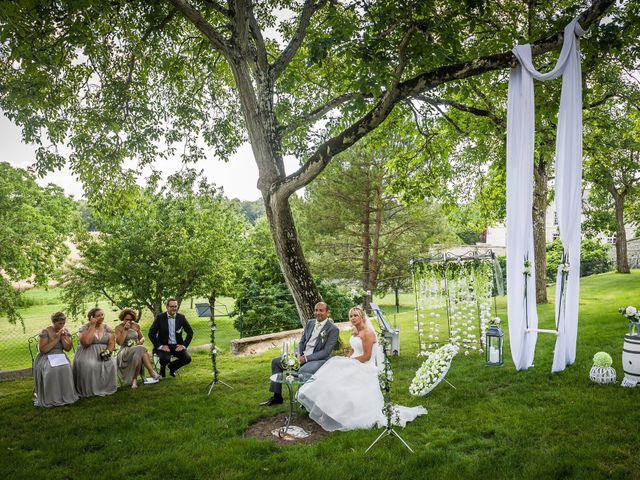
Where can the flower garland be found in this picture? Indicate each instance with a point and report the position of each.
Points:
(385, 379)
(433, 370)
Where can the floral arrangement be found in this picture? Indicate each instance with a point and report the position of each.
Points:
(104, 354)
(131, 343)
(566, 267)
(602, 359)
(631, 313)
(527, 268)
(289, 358)
(601, 372)
(433, 370)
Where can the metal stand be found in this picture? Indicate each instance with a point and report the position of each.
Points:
(283, 430)
(207, 310)
(214, 383)
(389, 431)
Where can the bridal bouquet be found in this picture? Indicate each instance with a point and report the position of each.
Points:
(433, 370)
(104, 355)
(130, 343)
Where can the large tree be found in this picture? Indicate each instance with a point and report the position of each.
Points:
(113, 79)
(613, 168)
(170, 241)
(352, 227)
(36, 222)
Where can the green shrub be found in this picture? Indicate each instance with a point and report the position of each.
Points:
(264, 304)
(594, 258)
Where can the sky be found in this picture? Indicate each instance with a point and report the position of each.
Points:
(238, 177)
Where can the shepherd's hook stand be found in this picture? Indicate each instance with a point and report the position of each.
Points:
(217, 382)
(389, 431)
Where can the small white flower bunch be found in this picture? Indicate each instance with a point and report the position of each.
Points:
(631, 313)
(527, 268)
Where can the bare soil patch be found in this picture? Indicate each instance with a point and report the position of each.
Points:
(263, 430)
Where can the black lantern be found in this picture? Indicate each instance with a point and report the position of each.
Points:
(493, 344)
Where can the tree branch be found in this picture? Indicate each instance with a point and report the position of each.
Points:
(479, 112)
(198, 21)
(412, 87)
(318, 113)
(256, 33)
(290, 50)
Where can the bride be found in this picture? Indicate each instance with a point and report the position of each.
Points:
(344, 394)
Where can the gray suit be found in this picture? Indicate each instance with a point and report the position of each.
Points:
(327, 340)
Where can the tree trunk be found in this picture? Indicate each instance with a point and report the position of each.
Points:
(365, 243)
(622, 261)
(294, 266)
(539, 212)
(377, 229)
(257, 107)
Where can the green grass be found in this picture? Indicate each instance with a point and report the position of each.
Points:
(496, 423)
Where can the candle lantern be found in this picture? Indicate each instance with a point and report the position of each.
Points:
(493, 342)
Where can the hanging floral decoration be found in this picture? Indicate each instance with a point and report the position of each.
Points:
(454, 301)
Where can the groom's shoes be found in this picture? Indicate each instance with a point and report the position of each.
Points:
(275, 400)
(163, 371)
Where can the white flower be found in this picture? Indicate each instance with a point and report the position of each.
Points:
(630, 311)
(290, 362)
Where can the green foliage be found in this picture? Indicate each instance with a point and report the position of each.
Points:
(263, 303)
(594, 258)
(161, 242)
(35, 221)
(469, 237)
(354, 230)
(252, 210)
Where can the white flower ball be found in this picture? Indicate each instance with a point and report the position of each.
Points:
(631, 311)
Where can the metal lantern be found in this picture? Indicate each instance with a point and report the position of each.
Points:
(494, 339)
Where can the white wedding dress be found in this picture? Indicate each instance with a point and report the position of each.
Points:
(344, 394)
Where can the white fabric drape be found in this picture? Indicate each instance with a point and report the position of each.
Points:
(521, 307)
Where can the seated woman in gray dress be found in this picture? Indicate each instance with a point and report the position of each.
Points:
(94, 369)
(51, 369)
(132, 356)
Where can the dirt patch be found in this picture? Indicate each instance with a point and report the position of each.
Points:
(264, 428)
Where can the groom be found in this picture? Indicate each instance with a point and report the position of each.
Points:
(166, 335)
(318, 340)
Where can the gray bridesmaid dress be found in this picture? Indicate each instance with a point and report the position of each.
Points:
(93, 376)
(54, 385)
(129, 358)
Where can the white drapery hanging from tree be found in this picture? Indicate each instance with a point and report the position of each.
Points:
(521, 300)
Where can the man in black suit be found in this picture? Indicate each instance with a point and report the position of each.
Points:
(166, 335)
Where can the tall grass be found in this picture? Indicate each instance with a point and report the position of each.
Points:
(496, 423)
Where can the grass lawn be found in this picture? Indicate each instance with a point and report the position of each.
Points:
(497, 423)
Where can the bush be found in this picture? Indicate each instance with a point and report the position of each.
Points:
(594, 258)
(264, 304)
